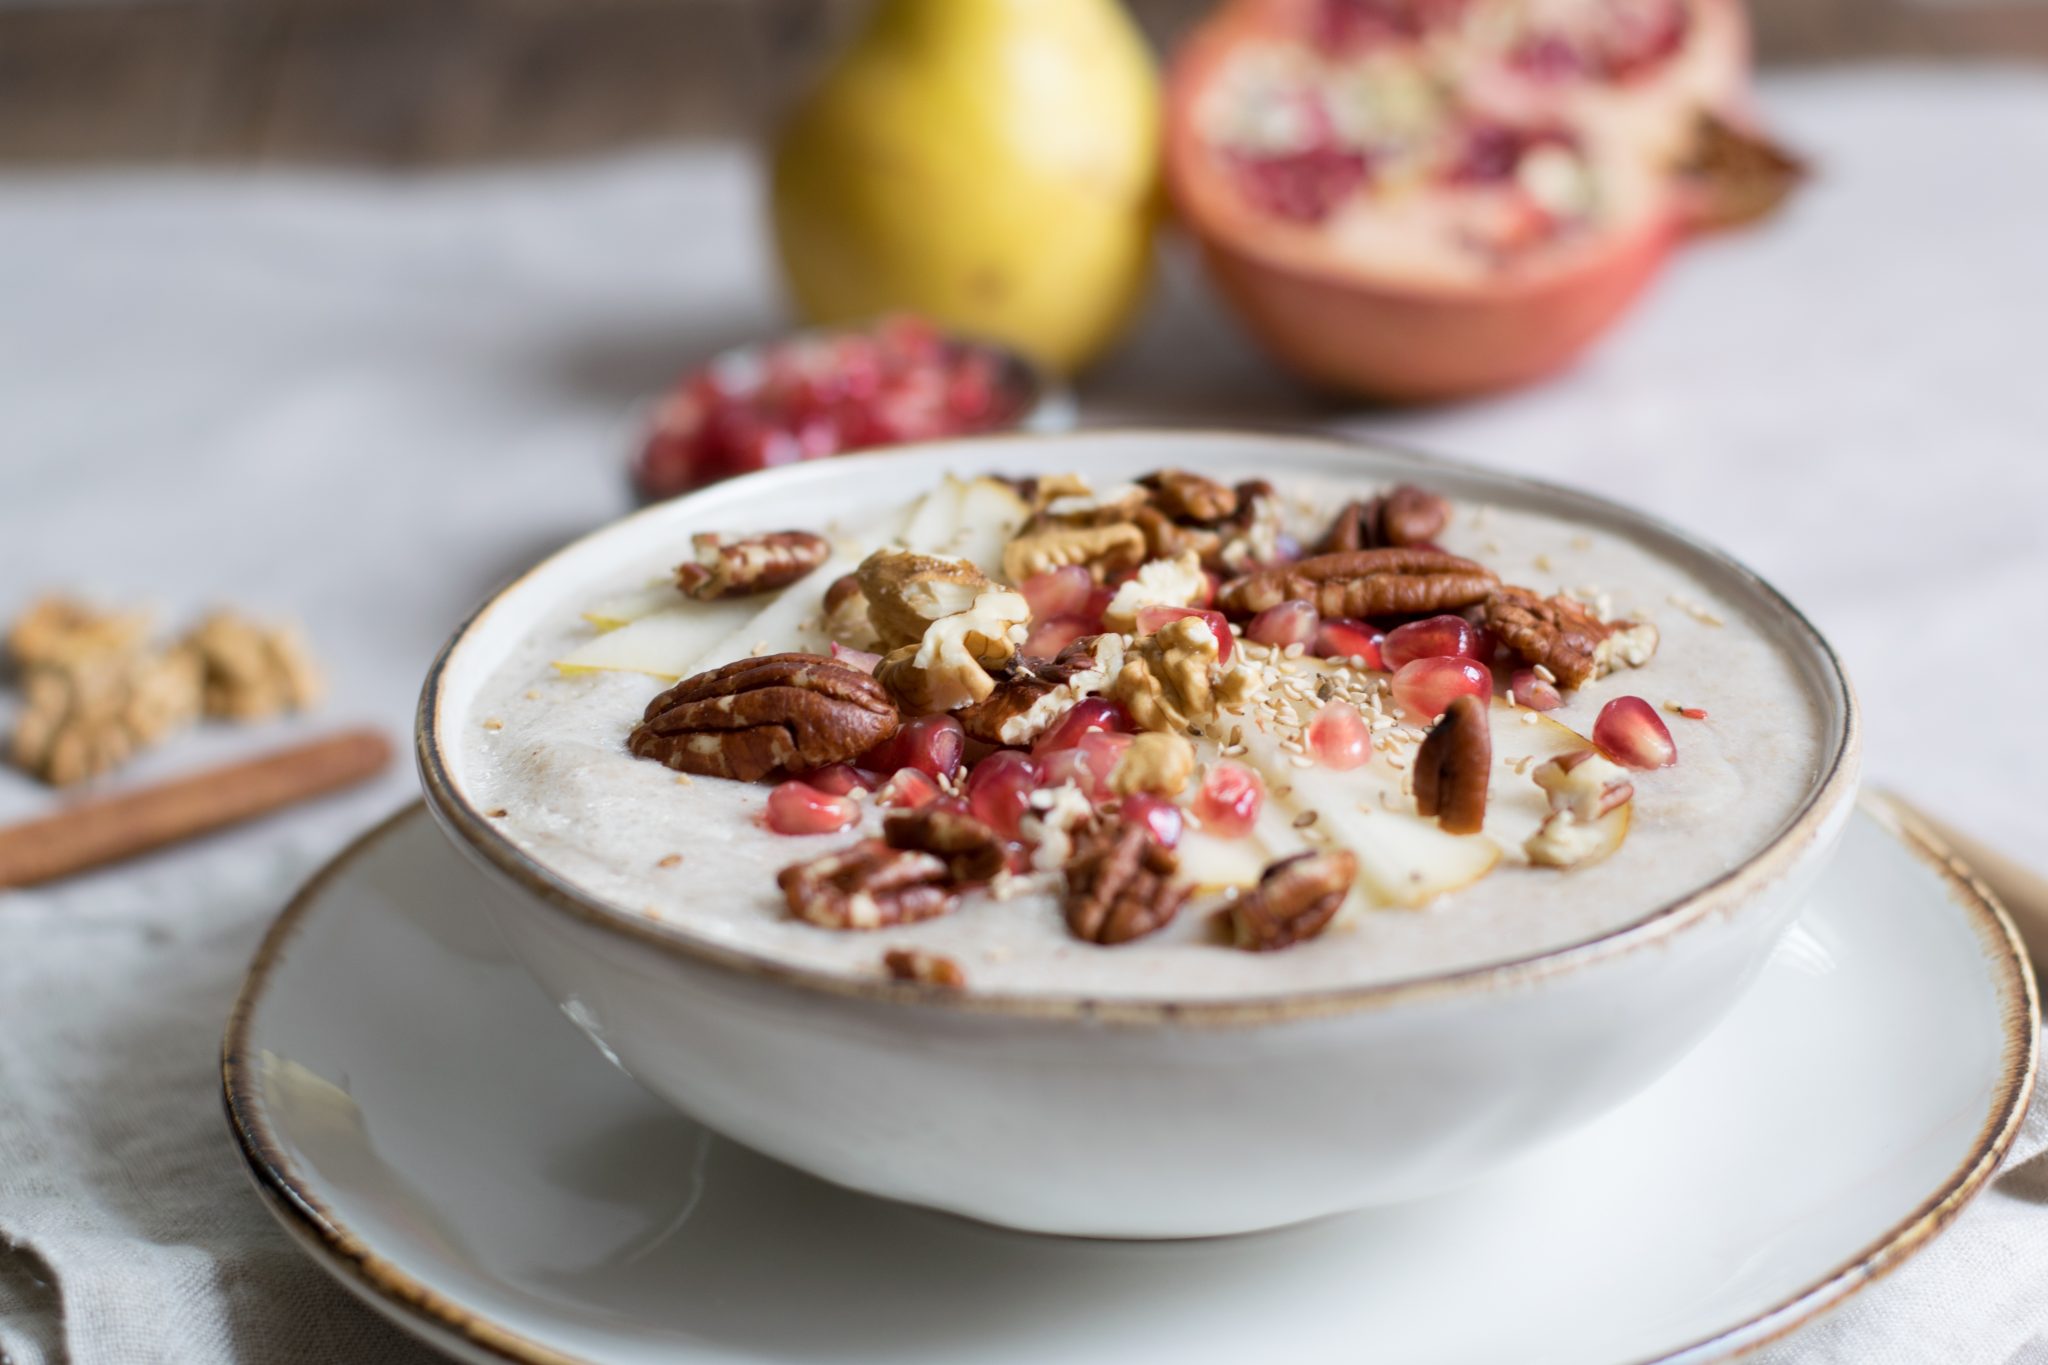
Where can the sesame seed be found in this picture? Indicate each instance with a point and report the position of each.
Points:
(1529, 718)
(672, 860)
(1293, 651)
(497, 814)
(1300, 761)
(1305, 819)
(1542, 671)
(682, 779)
(1542, 562)
(494, 724)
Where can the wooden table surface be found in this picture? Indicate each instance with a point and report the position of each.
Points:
(429, 82)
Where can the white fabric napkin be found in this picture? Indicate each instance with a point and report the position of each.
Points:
(364, 400)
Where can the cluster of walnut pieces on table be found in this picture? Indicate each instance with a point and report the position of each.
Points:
(98, 688)
(918, 634)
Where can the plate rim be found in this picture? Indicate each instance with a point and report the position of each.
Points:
(405, 1299)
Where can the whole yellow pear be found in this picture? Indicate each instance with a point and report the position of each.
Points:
(990, 164)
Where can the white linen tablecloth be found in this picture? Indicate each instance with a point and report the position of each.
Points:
(362, 401)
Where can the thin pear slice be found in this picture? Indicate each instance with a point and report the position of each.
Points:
(1214, 863)
(990, 515)
(666, 643)
(628, 607)
(936, 519)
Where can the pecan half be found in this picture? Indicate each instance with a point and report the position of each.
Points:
(1119, 883)
(971, 851)
(751, 564)
(1563, 636)
(1403, 515)
(1190, 497)
(926, 968)
(1452, 766)
(1384, 582)
(867, 886)
(747, 719)
(1296, 899)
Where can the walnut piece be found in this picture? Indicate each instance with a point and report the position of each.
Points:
(1042, 546)
(867, 886)
(1295, 900)
(1175, 582)
(925, 968)
(251, 671)
(1585, 785)
(92, 714)
(61, 630)
(949, 667)
(907, 591)
(750, 564)
(846, 615)
(1157, 762)
(1250, 536)
(1190, 497)
(1119, 883)
(747, 719)
(1362, 583)
(1453, 765)
(1403, 515)
(1170, 679)
(971, 851)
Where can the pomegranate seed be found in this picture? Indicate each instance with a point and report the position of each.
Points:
(1630, 732)
(1343, 638)
(1229, 801)
(857, 658)
(1305, 186)
(1156, 814)
(839, 779)
(1059, 592)
(797, 808)
(999, 790)
(1291, 623)
(934, 745)
(1440, 637)
(1532, 692)
(1338, 737)
(1101, 750)
(1211, 585)
(1083, 718)
(907, 789)
(1067, 767)
(1151, 619)
(1049, 637)
(1425, 688)
(1098, 603)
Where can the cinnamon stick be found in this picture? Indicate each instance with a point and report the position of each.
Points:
(97, 832)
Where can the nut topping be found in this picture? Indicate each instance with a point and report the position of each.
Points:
(1043, 546)
(907, 591)
(1173, 582)
(930, 969)
(1585, 785)
(1189, 497)
(1027, 699)
(1363, 583)
(867, 886)
(949, 667)
(252, 671)
(738, 568)
(1156, 762)
(747, 719)
(1169, 679)
(1403, 515)
(971, 851)
(1452, 766)
(1119, 883)
(846, 615)
(1296, 899)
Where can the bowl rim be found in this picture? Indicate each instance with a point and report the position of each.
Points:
(1827, 799)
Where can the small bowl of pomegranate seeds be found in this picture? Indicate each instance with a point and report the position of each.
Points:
(831, 391)
(1032, 828)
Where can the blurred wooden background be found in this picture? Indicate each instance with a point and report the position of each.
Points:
(421, 82)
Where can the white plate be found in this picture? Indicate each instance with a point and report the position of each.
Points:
(427, 1125)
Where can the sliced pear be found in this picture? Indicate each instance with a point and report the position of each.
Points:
(937, 518)
(628, 607)
(990, 514)
(666, 643)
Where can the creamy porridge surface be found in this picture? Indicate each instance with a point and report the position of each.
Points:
(547, 749)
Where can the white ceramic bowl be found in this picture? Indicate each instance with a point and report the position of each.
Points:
(1135, 1118)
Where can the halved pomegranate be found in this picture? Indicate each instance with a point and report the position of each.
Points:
(1420, 199)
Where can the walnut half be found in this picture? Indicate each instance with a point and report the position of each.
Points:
(949, 667)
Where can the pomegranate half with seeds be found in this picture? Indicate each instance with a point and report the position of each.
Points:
(1420, 199)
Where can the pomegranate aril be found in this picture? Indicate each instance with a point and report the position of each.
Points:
(1339, 737)
(1101, 751)
(1058, 592)
(1291, 623)
(933, 745)
(1425, 688)
(999, 790)
(1228, 801)
(856, 658)
(1156, 814)
(798, 808)
(839, 779)
(1084, 717)
(1303, 186)
(1047, 638)
(1340, 637)
(1439, 637)
(1531, 691)
(1629, 731)
(1098, 603)
(906, 790)
(1151, 619)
